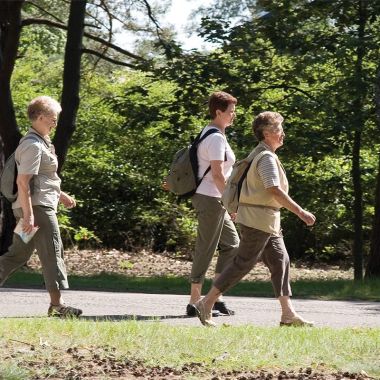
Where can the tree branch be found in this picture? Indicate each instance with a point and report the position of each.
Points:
(167, 47)
(102, 56)
(287, 87)
(44, 11)
(32, 21)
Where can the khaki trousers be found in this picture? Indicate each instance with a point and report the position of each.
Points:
(215, 228)
(47, 241)
(255, 245)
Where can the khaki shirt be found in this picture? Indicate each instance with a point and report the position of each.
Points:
(34, 157)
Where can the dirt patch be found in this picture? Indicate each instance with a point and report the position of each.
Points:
(77, 363)
(149, 264)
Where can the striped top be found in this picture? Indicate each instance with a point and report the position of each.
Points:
(268, 170)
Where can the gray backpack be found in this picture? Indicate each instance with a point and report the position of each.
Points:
(8, 185)
(183, 179)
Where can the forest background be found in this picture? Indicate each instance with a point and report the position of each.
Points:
(127, 110)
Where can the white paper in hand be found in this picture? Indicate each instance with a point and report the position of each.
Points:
(25, 237)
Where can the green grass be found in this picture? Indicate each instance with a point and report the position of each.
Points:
(320, 289)
(225, 348)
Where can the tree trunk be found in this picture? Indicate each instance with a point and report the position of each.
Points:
(71, 80)
(358, 209)
(373, 266)
(359, 125)
(10, 29)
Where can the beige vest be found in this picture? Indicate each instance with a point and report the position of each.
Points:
(257, 207)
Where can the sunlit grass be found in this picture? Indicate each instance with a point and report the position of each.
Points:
(225, 348)
(317, 289)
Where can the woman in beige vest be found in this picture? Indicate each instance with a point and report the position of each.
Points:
(263, 193)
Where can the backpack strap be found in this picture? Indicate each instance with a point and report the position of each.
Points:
(199, 139)
(36, 137)
(254, 161)
(261, 154)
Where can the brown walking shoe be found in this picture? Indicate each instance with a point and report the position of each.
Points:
(296, 321)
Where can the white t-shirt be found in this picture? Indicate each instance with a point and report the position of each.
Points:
(213, 148)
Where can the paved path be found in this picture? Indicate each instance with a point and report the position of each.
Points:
(170, 308)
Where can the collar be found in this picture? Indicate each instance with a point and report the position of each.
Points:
(46, 139)
(262, 143)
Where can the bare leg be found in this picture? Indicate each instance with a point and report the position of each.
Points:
(204, 307)
(55, 297)
(211, 297)
(196, 292)
(220, 298)
(286, 307)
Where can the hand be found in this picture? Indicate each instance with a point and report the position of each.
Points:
(28, 224)
(67, 200)
(165, 185)
(307, 217)
(233, 216)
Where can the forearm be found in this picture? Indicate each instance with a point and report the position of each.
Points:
(220, 182)
(24, 197)
(286, 201)
(218, 175)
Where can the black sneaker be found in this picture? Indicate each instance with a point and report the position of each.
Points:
(222, 308)
(192, 312)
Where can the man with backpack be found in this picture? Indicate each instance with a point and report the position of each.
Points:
(215, 159)
(263, 193)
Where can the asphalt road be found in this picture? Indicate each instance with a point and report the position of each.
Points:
(171, 308)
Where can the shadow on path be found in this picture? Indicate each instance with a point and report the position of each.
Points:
(130, 317)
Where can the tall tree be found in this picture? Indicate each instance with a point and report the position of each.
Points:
(11, 23)
(71, 79)
(373, 266)
(359, 126)
(10, 29)
(344, 41)
(10, 26)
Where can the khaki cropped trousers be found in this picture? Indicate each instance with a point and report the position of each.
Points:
(47, 241)
(255, 245)
(215, 229)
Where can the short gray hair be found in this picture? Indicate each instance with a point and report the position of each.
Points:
(267, 120)
(43, 105)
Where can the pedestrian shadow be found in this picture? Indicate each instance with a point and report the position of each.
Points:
(130, 317)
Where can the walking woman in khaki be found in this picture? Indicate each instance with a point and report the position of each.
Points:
(39, 191)
(263, 193)
(215, 227)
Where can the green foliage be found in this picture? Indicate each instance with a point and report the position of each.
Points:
(298, 58)
(118, 160)
(71, 234)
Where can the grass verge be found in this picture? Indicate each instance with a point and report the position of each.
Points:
(313, 289)
(42, 348)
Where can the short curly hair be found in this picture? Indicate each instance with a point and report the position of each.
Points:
(43, 105)
(219, 100)
(267, 120)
